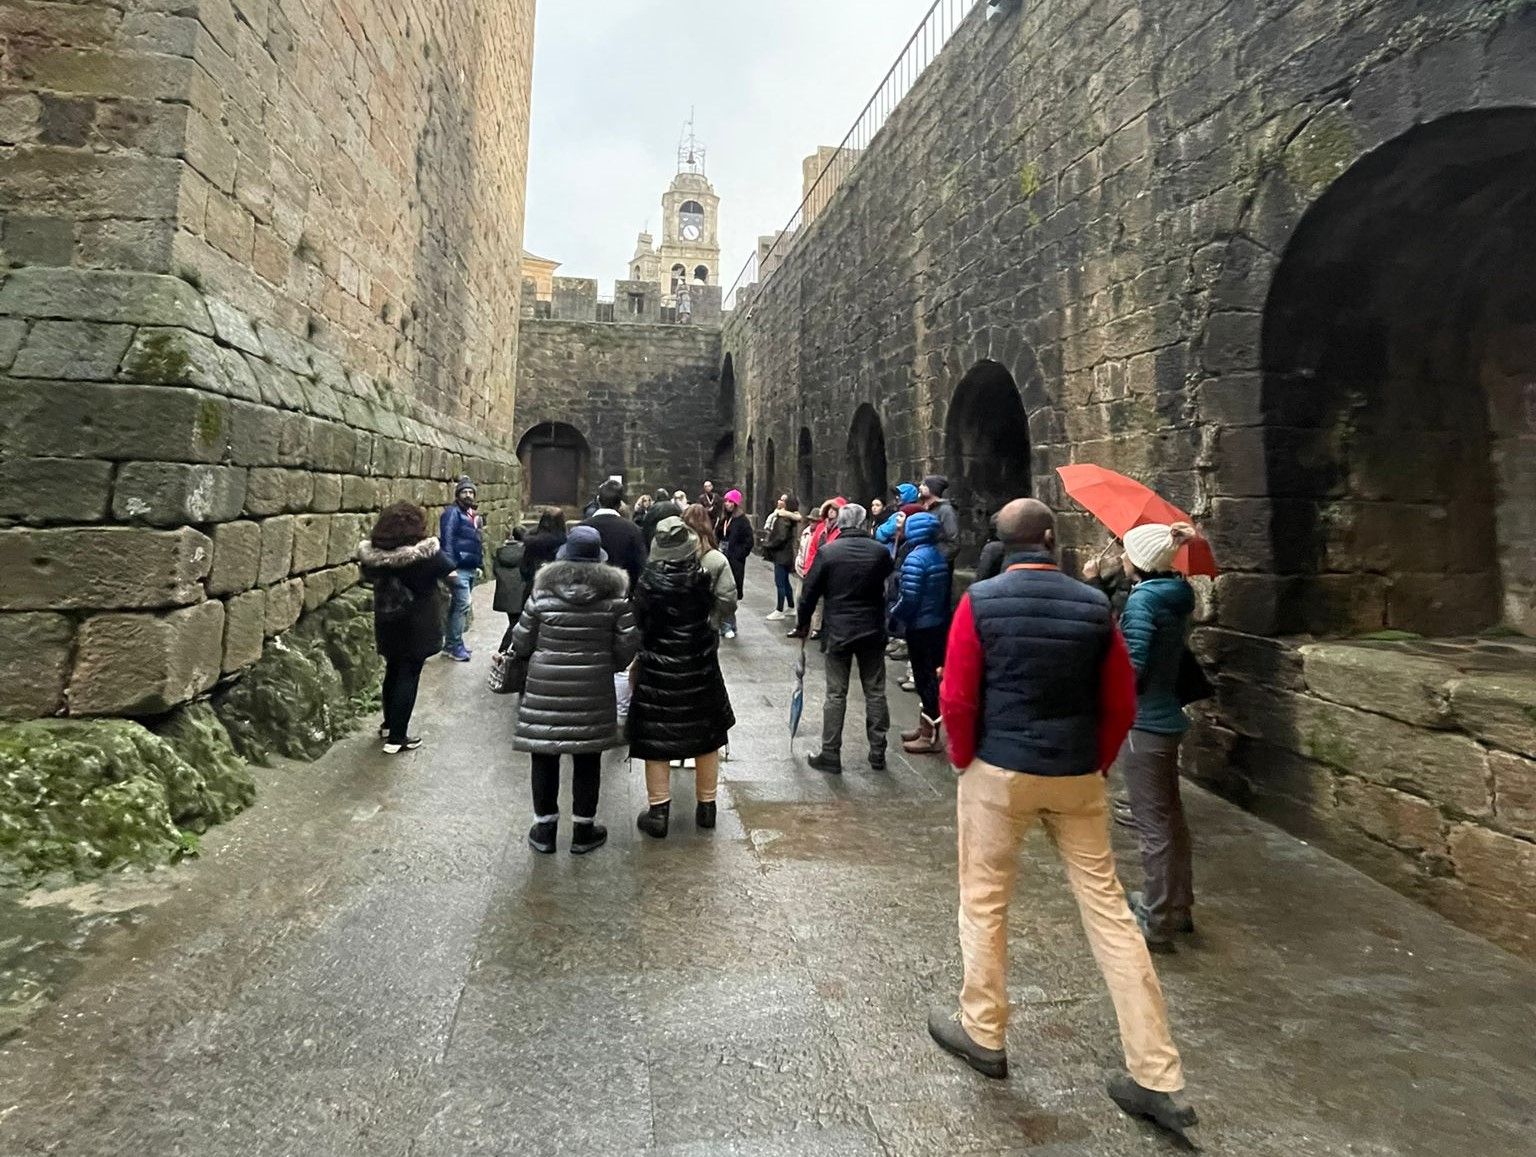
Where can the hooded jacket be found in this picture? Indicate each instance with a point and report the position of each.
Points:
(923, 602)
(680, 707)
(949, 528)
(1155, 623)
(821, 532)
(507, 564)
(575, 633)
(460, 538)
(417, 633)
(783, 537)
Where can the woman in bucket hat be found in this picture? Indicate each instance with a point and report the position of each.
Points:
(680, 709)
(575, 633)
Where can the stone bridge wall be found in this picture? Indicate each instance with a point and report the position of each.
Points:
(1082, 209)
(645, 397)
(259, 279)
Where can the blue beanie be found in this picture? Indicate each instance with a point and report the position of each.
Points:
(908, 493)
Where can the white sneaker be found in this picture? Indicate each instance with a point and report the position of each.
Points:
(775, 616)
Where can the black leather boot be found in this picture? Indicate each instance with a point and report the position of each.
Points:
(704, 815)
(655, 820)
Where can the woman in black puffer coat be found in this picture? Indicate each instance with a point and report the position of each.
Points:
(575, 633)
(680, 708)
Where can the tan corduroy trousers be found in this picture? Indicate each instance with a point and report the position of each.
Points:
(996, 810)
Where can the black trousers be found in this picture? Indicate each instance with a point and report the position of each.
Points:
(585, 783)
(506, 640)
(401, 679)
(925, 649)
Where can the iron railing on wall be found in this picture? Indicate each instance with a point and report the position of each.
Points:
(932, 34)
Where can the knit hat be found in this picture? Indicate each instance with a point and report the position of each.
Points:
(936, 484)
(674, 541)
(734, 497)
(462, 485)
(907, 493)
(583, 544)
(1153, 546)
(851, 516)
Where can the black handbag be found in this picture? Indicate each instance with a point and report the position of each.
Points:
(509, 674)
(1192, 684)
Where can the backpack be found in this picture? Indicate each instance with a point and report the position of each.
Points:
(393, 601)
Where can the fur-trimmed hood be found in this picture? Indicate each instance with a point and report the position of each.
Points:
(401, 556)
(580, 583)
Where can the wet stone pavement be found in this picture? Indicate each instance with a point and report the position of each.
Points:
(371, 961)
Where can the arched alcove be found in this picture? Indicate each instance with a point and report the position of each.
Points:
(555, 459)
(1399, 388)
(986, 450)
(750, 490)
(701, 274)
(725, 399)
(805, 465)
(722, 463)
(770, 493)
(867, 471)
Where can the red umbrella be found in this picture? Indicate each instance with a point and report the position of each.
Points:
(1121, 503)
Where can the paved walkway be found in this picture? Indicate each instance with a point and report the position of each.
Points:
(372, 962)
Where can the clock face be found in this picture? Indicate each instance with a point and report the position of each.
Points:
(691, 232)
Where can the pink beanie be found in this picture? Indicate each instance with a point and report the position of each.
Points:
(733, 496)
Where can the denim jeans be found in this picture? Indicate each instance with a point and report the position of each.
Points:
(463, 583)
(786, 592)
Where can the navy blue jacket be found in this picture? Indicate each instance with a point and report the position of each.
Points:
(925, 577)
(460, 538)
(1155, 623)
(1045, 637)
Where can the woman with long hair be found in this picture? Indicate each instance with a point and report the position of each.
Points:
(541, 547)
(405, 567)
(680, 709)
(575, 634)
(1155, 623)
(696, 518)
(782, 537)
(736, 540)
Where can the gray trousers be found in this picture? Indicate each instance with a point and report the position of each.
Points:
(877, 716)
(1150, 764)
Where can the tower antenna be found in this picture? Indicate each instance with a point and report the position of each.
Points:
(690, 154)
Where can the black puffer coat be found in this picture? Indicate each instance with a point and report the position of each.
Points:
(680, 707)
(576, 632)
(417, 633)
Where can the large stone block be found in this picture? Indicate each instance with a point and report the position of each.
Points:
(1383, 679)
(72, 350)
(146, 664)
(285, 602)
(327, 496)
(347, 530)
(256, 434)
(277, 490)
(177, 357)
(34, 662)
(104, 295)
(1405, 821)
(176, 493)
(101, 568)
(41, 490)
(311, 542)
(48, 418)
(236, 558)
(1492, 862)
(1498, 708)
(276, 549)
(245, 629)
(1514, 792)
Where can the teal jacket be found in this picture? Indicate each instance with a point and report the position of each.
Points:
(1155, 623)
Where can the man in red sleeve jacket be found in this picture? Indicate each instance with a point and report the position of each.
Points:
(1038, 694)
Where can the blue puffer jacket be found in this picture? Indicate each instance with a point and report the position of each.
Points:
(460, 538)
(1155, 623)
(885, 533)
(924, 601)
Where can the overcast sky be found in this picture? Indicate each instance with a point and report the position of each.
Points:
(613, 81)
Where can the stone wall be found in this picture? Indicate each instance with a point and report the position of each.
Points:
(1163, 242)
(260, 279)
(645, 399)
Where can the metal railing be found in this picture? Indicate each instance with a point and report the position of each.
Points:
(932, 34)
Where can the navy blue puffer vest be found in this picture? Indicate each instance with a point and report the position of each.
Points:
(1044, 637)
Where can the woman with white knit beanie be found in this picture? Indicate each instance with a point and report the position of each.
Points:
(1155, 624)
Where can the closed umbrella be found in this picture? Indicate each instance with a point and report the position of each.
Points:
(1122, 503)
(797, 700)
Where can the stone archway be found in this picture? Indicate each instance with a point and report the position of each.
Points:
(1399, 389)
(868, 475)
(986, 450)
(556, 463)
(805, 466)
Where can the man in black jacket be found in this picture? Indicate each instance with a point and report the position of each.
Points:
(622, 539)
(850, 573)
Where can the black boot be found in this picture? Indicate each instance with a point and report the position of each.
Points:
(950, 1035)
(704, 815)
(541, 837)
(877, 761)
(1148, 1104)
(655, 819)
(829, 762)
(587, 838)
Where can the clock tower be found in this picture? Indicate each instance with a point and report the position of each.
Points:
(690, 232)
